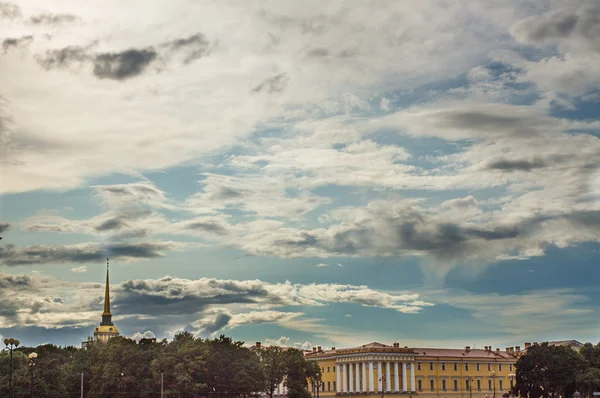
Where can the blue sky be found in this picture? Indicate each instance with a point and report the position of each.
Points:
(302, 174)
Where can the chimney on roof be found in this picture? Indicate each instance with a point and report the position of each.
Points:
(535, 343)
(314, 349)
(497, 349)
(517, 348)
(527, 345)
(512, 349)
(396, 345)
(333, 348)
(468, 348)
(258, 344)
(319, 348)
(405, 346)
(507, 349)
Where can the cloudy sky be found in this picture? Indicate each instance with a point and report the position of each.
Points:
(305, 172)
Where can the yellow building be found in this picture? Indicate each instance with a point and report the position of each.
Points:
(107, 328)
(419, 372)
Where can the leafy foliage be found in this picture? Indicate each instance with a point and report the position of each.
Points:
(552, 371)
(218, 367)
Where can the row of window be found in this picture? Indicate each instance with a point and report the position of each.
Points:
(432, 385)
(331, 386)
(477, 366)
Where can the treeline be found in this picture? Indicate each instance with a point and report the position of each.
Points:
(558, 371)
(188, 366)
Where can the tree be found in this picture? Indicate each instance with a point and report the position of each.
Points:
(274, 363)
(589, 382)
(233, 369)
(297, 370)
(547, 371)
(591, 354)
(313, 373)
(183, 363)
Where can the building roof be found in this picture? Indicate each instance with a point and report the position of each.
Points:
(462, 353)
(465, 353)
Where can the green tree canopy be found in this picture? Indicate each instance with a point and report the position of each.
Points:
(548, 371)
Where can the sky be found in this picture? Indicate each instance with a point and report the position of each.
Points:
(301, 173)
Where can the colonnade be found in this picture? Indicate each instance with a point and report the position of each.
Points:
(360, 376)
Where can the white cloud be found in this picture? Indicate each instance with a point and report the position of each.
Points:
(322, 265)
(147, 122)
(79, 269)
(137, 336)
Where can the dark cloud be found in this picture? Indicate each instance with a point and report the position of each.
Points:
(17, 281)
(128, 190)
(488, 122)
(303, 239)
(216, 324)
(9, 10)
(64, 57)
(30, 255)
(516, 165)
(192, 47)
(274, 84)
(112, 224)
(229, 193)
(4, 226)
(123, 65)
(121, 220)
(52, 19)
(579, 24)
(408, 232)
(208, 226)
(325, 53)
(16, 42)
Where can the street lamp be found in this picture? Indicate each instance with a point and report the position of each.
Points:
(494, 377)
(11, 344)
(382, 380)
(470, 386)
(512, 378)
(31, 364)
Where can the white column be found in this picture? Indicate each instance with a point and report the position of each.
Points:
(338, 375)
(413, 386)
(388, 377)
(357, 377)
(396, 377)
(364, 377)
(345, 376)
(404, 377)
(372, 377)
(351, 378)
(380, 373)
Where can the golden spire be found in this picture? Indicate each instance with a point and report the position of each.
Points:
(106, 294)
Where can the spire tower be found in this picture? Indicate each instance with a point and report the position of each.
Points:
(106, 315)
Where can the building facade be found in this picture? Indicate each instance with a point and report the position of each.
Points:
(424, 372)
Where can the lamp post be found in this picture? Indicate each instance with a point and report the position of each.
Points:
(470, 386)
(512, 378)
(11, 344)
(382, 380)
(494, 377)
(32, 358)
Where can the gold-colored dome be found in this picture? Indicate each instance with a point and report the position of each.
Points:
(108, 329)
